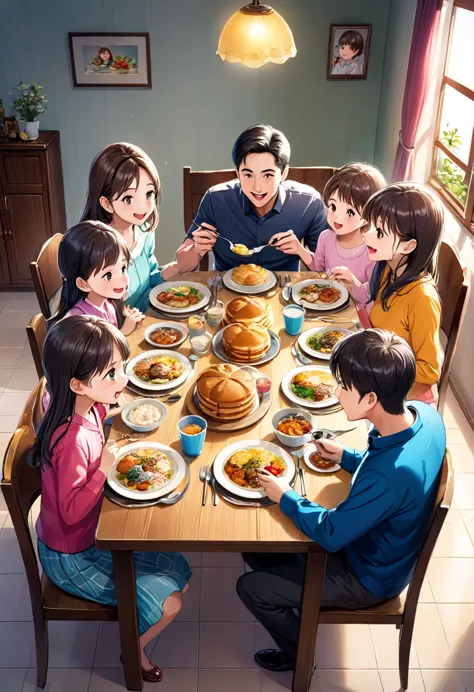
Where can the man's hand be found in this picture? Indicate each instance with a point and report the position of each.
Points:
(204, 238)
(329, 449)
(287, 242)
(133, 317)
(274, 487)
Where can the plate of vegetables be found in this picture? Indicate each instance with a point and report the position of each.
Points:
(320, 341)
(179, 297)
(310, 385)
(235, 466)
(146, 470)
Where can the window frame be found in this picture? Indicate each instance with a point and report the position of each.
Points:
(465, 214)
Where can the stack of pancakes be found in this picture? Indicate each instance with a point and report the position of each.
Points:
(245, 343)
(249, 275)
(225, 392)
(247, 310)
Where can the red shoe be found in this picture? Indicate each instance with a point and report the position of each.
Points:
(153, 674)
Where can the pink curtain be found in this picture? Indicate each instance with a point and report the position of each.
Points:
(425, 33)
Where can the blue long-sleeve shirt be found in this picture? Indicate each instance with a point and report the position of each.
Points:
(382, 523)
(297, 207)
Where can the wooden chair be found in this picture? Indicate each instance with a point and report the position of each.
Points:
(36, 331)
(196, 184)
(453, 288)
(401, 611)
(47, 279)
(21, 486)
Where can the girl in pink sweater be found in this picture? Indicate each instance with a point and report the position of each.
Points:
(83, 359)
(345, 195)
(93, 260)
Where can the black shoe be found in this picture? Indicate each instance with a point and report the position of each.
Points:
(274, 659)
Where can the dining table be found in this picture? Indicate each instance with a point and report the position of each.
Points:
(190, 526)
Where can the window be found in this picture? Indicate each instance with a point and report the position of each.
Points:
(452, 171)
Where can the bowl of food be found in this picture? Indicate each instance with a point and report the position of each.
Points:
(144, 415)
(165, 334)
(292, 425)
(318, 463)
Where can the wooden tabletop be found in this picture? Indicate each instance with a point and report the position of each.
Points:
(188, 526)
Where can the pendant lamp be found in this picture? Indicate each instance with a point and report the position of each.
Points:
(255, 35)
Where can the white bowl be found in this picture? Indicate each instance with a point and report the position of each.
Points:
(158, 325)
(144, 428)
(291, 440)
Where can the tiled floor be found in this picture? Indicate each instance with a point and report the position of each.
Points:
(210, 647)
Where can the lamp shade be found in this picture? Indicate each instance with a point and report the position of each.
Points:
(255, 35)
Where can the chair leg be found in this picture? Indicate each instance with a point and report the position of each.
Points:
(404, 646)
(42, 652)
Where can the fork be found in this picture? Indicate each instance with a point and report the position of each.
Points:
(215, 497)
(203, 473)
(297, 454)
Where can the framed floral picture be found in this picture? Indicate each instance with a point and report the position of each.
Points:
(349, 46)
(110, 59)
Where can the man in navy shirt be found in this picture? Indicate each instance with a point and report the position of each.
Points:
(374, 537)
(253, 208)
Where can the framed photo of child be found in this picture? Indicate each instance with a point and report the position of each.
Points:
(349, 47)
(110, 59)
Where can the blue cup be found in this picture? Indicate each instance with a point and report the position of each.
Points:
(192, 444)
(293, 316)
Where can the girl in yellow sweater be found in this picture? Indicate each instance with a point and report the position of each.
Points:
(405, 222)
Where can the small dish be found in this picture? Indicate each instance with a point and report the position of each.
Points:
(165, 325)
(201, 344)
(311, 449)
(140, 402)
(291, 440)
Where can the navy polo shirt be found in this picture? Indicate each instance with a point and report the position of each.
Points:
(297, 207)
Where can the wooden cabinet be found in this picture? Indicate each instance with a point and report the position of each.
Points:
(32, 204)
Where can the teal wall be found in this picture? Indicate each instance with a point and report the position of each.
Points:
(198, 104)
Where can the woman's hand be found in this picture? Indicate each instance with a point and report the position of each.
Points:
(343, 275)
(204, 238)
(329, 449)
(273, 486)
(133, 317)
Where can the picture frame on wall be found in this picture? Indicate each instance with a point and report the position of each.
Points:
(349, 48)
(110, 59)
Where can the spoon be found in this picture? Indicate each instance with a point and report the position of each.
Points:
(194, 360)
(171, 399)
(250, 251)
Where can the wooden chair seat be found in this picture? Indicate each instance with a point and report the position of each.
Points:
(387, 613)
(59, 605)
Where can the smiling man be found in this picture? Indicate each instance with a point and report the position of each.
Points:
(255, 206)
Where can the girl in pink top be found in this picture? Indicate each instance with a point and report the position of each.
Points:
(345, 195)
(93, 260)
(83, 361)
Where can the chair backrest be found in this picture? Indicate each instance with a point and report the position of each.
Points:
(453, 287)
(47, 279)
(440, 510)
(21, 485)
(36, 331)
(196, 184)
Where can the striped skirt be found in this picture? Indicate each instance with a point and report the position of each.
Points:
(90, 575)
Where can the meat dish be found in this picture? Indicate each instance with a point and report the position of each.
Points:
(313, 385)
(241, 467)
(165, 336)
(158, 369)
(319, 293)
(320, 463)
(144, 470)
(294, 426)
(180, 297)
(324, 341)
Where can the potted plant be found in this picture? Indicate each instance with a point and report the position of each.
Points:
(29, 104)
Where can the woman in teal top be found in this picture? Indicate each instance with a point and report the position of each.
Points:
(124, 191)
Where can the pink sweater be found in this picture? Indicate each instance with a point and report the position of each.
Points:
(72, 488)
(106, 312)
(330, 254)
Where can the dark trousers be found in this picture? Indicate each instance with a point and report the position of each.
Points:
(273, 592)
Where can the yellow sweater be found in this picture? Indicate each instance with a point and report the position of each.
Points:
(414, 313)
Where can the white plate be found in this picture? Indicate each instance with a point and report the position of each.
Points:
(272, 352)
(303, 338)
(319, 306)
(173, 284)
(256, 405)
(305, 403)
(248, 290)
(179, 472)
(158, 387)
(221, 458)
(171, 325)
(306, 453)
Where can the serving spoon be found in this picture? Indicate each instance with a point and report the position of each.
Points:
(250, 251)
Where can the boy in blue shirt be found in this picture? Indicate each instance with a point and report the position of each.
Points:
(374, 537)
